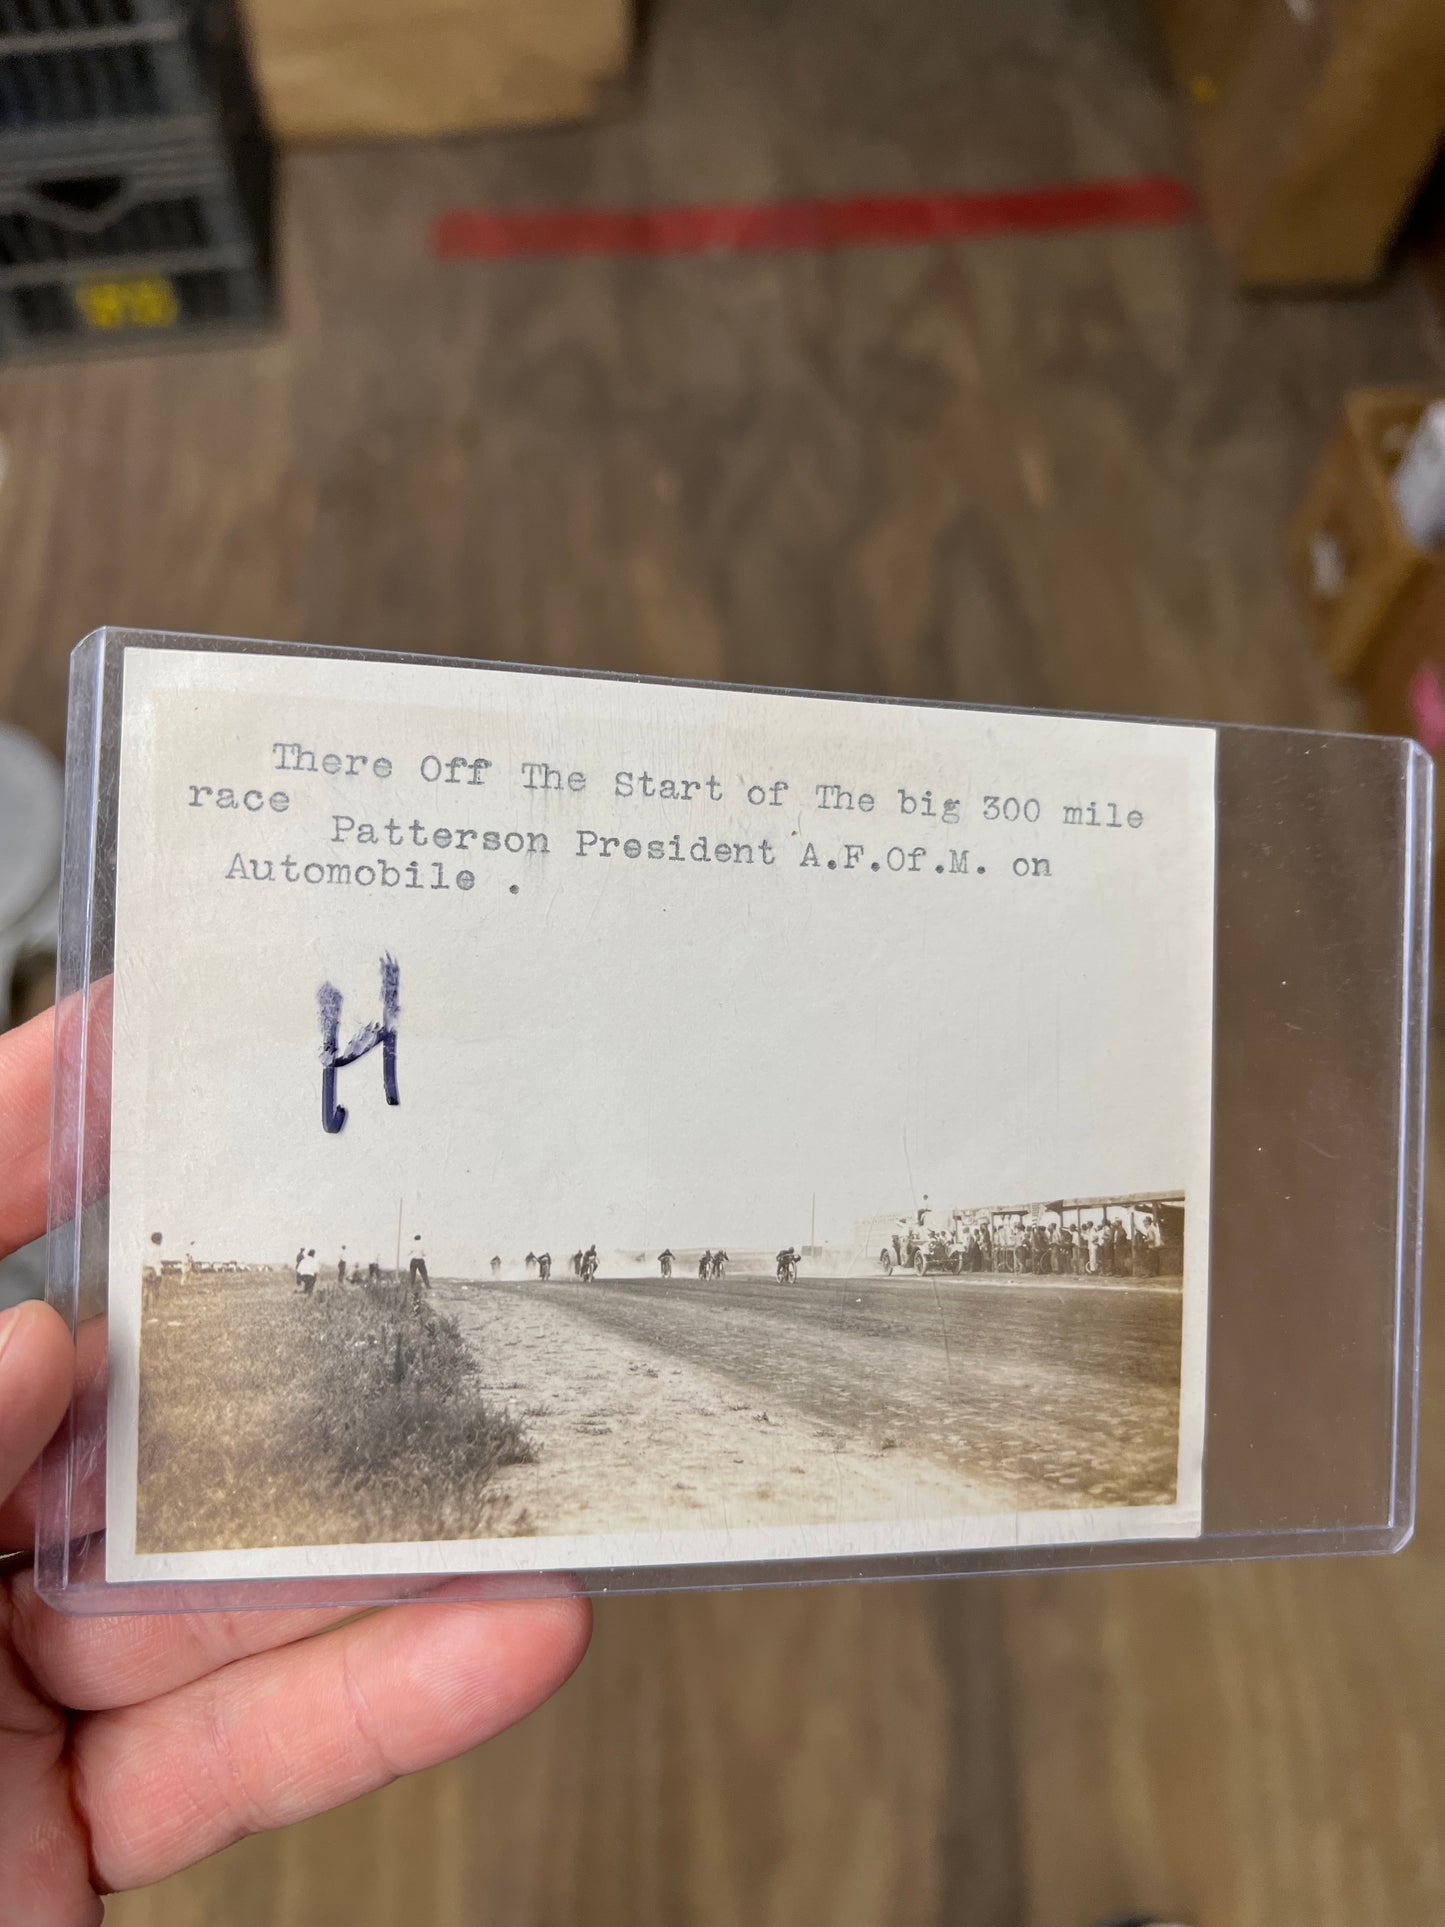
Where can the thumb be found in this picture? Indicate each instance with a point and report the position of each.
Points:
(37, 1369)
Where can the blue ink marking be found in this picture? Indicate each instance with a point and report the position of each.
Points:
(333, 1058)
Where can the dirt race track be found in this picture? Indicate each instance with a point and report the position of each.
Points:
(744, 1402)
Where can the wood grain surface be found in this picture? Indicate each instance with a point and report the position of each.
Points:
(1048, 472)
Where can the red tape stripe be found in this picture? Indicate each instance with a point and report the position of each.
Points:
(885, 220)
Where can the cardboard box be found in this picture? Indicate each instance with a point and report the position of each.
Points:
(1204, 39)
(1403, 687)
(1403, 683)
(1316, 121)
(378, 69)
(1384, 629)
(1356, 569)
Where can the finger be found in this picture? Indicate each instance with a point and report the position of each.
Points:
(94, 1663)
(25, 1060)
(86, 1494)
(37, 1369)
(43, 1855)
(276, 1739)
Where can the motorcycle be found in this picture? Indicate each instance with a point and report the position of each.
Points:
(787, 1269)
(589, 1268)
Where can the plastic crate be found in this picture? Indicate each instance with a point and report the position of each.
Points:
(181, 203)
(172, 243)
(185, 308)
(25, 19)
(136, 176)
(76, 75)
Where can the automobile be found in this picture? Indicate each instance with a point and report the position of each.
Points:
(924, 1250)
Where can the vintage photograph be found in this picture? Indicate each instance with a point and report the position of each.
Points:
(1011, 1359)
(567, 1123)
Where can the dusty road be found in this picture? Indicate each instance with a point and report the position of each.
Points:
(740, 1401)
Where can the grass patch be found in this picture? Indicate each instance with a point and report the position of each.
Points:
(351, 1416)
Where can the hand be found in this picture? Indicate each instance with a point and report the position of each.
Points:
(131, 1747)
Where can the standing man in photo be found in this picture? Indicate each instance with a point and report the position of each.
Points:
(1154, 1239)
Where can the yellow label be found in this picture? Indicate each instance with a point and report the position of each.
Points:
(112, 306)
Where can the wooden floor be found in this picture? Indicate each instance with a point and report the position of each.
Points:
(1045, 471)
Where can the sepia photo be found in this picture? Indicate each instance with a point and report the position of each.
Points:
(571, 1123)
